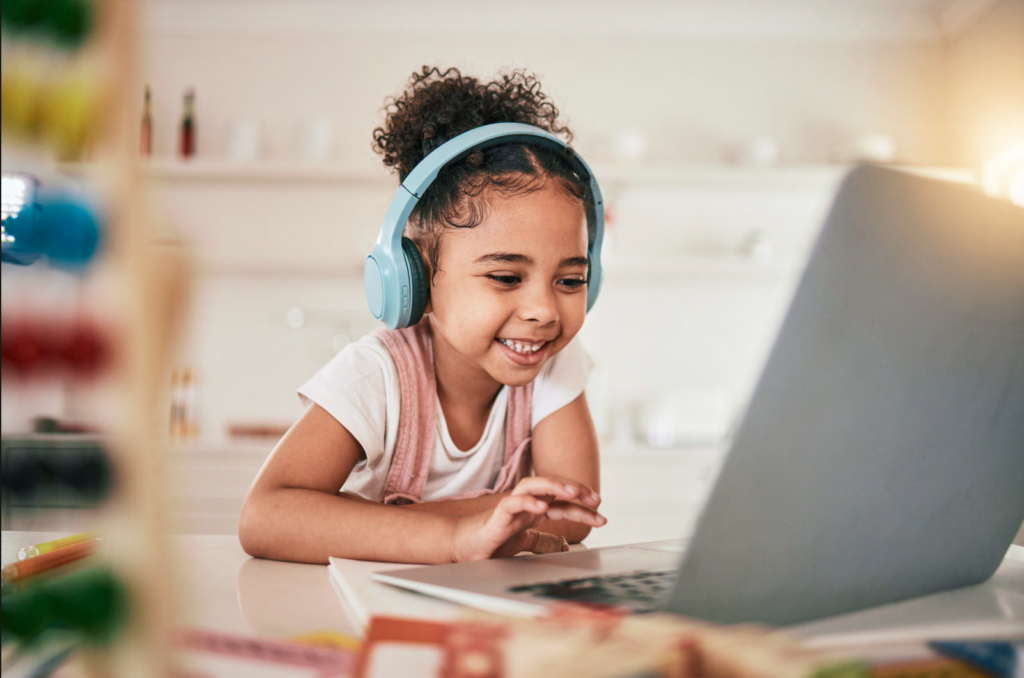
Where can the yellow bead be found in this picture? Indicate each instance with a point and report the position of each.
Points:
(20, 104)
(71, 116)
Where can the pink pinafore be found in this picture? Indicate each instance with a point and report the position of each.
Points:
(412, 350)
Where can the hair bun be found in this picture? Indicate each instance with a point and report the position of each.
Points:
(438, 106)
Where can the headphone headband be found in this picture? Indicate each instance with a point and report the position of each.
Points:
(388, 279)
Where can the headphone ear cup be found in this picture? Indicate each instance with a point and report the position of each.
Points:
(420, 284)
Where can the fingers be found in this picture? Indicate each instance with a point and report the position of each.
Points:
(575, 513)
(533, 541)
(504, 531)
(548, 543)
(514, 506)
(509, 512)
(517, 543)
(566, 490)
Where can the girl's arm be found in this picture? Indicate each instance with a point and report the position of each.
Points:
(564, 447)
(293, 512)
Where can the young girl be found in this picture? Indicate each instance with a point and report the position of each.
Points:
(485, 389)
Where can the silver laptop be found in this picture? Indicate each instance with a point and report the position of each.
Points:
(881, 456)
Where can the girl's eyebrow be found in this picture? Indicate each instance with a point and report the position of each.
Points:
(504, 258)
(510, 258)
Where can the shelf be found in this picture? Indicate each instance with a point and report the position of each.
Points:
(230, 448)
(738, 176)
(165, 169)
(608, 174)
(658, 174)
(222, 170)
(724, 176)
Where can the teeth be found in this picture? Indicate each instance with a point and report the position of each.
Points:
(520, 347)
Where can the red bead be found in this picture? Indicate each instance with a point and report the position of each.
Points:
(22, 348)
(83, 351)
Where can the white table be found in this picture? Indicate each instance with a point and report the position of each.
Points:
(226, 590)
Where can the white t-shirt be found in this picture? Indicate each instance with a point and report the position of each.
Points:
(359, 388)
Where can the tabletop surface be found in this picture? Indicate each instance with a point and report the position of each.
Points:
(224, 589)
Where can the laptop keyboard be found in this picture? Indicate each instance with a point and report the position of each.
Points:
(637, 592)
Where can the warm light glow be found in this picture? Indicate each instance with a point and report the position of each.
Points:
(1003, 175)
(1015, 188)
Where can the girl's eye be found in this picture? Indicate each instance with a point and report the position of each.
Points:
(572, 283)
(505, 280)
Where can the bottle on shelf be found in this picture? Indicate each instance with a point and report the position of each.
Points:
(184, 419)
(146, 140)
(187, 134)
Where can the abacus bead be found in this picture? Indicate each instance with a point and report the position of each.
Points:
(22, 348)
(26, 472)
(70, 115)
(20, 103)
(88, 473)
(92, 601)
(69, 21)
(22, 230)
(69, 233)
(26, 613)
(21, 15)
(83, 351)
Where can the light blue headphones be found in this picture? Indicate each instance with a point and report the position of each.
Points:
(396, 281)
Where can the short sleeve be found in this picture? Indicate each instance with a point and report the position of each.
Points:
(561, 381)
(356, 388)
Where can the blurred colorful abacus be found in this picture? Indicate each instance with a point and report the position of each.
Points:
(85, 316)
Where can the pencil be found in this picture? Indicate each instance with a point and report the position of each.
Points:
(48, 546)
(48, 561)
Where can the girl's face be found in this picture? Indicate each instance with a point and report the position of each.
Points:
(512, 292)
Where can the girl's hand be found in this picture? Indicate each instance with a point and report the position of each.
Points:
(504, 530)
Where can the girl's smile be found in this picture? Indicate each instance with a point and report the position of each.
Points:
(524, 352)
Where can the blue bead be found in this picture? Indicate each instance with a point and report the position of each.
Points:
(68, 231)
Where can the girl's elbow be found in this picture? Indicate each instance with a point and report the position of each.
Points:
(249, 528)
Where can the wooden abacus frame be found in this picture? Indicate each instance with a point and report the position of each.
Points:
(152, 285)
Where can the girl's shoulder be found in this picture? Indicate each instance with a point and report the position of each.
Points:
(364, 360)
(359, 387)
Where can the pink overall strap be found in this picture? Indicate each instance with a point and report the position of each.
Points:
(412, 351)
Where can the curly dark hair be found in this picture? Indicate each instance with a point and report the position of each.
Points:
(440, 105)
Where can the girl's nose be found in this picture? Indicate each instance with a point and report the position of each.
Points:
(538, 305)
